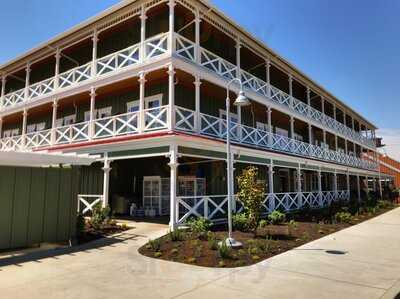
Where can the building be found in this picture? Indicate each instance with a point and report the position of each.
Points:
(143, 86)
(390, 175)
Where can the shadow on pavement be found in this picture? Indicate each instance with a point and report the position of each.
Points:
(53, 253)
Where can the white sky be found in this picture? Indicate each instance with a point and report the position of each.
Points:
(391, 137)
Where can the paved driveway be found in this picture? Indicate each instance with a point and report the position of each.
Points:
(114, 269)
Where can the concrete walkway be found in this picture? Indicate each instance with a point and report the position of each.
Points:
(112, 268)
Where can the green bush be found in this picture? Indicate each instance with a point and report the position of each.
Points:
(224, 251)
(252, 195)
(176, 235)
(343, 217)
(276, 217)
(80, 224)
(240, 222)
(199, 225)
(155, 244)
(263, 223)
(384, 204)
(212, 241)
(100, 216)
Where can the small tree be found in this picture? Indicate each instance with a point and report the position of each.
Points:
(251, 195)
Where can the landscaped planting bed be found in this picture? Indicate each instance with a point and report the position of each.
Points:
(199, 244)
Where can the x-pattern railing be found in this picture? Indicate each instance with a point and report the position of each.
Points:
(214, 207)
(14, 98)
(86, 203)
(156, 118)
(38, 139)
(117, 125)
(216, 127)
(118, 60)
(218, 64)
(156, 45)
(75, 75)
(184, 47)
(41, 88)
(184, 119)
(72, 133)
(14, 143)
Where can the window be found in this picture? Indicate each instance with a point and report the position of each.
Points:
(31, 128)
(104, 112)
(282, 132)
(262, 126)
(234, 117)
(35, 127)
(59, 122)
(69, 119)
(298, 137)
(11, 133)
(132, 106)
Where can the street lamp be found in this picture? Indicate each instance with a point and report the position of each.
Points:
(240, 101)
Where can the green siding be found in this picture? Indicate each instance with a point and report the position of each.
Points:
(7, 186)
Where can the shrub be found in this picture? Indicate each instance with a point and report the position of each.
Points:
(176, 235)
(276, 217)
(100, 216)
(240, 222)
(80, 224)
(263, 223)
(251, 194)
(384, 204)
(343, 217)
(224, 251)
(157, 254)
(212, 242)
(199, 225)
(155, 244)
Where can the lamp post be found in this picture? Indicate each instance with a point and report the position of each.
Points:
(240, 101)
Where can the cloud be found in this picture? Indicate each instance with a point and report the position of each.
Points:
(391, 137)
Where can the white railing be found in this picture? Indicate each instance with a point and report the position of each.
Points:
(117, 125)
(86, 203)
(72, 133)
(75, 75)
(14, 98)
(14, 143)
(118, 60)
(156, 45)
(214, 207)
(38, 139)
(184, 47)
(42, 88)
(156, 118)
(217, 64)
(216, 127)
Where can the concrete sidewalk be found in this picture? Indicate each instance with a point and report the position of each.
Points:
(113, 269)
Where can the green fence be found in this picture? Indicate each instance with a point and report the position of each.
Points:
(37, 205)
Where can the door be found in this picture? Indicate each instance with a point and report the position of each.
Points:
(152, 194)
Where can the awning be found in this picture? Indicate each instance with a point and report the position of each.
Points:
(43, 159)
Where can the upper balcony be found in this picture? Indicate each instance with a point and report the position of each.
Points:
(150, 47)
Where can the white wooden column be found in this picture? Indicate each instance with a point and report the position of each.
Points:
(238, 61)
(348, 182)
(319, 175)
(291, 90)
(1, 127)
(336, 142)
(358, 188)
(92, 112)
(292, 127)
(310, 134)
(269, 121)
(197, 119)
(3, 90)
(299, 187)
(95, 40)
(173, 164)
(24, 124)
(334, 111)
(309, 100)
(27, 79)
(335, 186)
(171, 5)
(324, 136)
(323, 105)
(142, 86)
(106, 180)
(268, 76)
(54, 122)
(171, 96)
(197, 22)
(271, 185)
(352, 124)
(143, 18)
(57, 69)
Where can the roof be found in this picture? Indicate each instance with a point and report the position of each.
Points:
(41, 159)
(213, 9)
